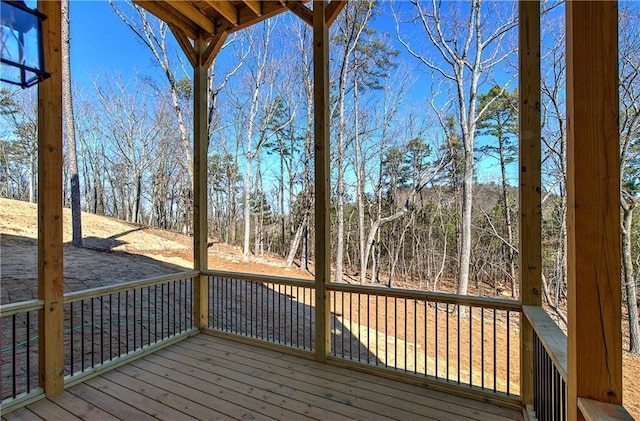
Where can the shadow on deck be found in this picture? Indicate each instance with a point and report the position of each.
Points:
(208, 377)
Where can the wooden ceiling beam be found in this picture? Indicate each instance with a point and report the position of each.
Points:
(226, 10)
(246, 17)
(185, 44)
(194, 14)
(213, 49)
(159, 10)
(254, 5)
(333, 10)
(301, 11)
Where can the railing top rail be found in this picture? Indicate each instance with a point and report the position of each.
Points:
(552, 337)
(307, 283)
(485, 302)
(598, 411)
(113, 289)
(21, 307)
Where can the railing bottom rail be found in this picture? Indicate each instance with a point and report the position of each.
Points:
(24, 399)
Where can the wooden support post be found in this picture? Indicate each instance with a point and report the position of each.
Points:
(50, 275)
(322, 178)
(530, 264)
(200, 149)
(593, 204)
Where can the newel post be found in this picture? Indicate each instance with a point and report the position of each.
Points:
(50, 262)
(593, 205)
(530, 256)
(322, 178)
(200, 150)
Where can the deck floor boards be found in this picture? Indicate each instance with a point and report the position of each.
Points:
(211, 378)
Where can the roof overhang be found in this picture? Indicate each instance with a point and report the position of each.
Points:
(207, 18)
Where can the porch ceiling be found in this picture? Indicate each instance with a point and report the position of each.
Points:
(206, 18)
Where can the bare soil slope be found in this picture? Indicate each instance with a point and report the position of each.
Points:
(116, 251)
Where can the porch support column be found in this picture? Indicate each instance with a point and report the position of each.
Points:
(50, 275)
(593, 204)
(200, 149)
(530, 264)
(322, 179)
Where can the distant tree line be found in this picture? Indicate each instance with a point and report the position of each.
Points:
(412, 203)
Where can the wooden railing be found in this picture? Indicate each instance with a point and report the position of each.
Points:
(275, 310)
(108, 326)
(451, 342)
(550, 375)
(598, 411)
(549, 366)
(103, 328)
(462, 344)
(19, 356)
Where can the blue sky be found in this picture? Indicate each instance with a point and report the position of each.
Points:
(100, 41)
(102, 44)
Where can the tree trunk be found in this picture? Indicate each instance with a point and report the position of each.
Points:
(247, 210)
(138, 199)
(281, 194)
(629, 279)
(76, 222)
(340, 199)
(295, 242)
(511, 267)
(465, 240)
(359, 167)
(33, 170)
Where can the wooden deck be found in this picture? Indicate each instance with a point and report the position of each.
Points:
(210, 378)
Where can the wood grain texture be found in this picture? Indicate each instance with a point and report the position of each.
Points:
(246, 17)
(215, 44)
(185, 44)
(50, 260)
(200, 149)
(602, 411)
(553, 339)
(46, 411)
(321, 127)
(254, 5)
(206, 377)
(530, 148)
(593, 204)
(333, 10)
(301, 11)
(226, 10)
(193, 14)
(168, 15)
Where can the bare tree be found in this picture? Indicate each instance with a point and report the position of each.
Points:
(554, 171)
(132, 131)
(253, 108)
(153, 33)
(351, 27)
(302, 41)
(19, 145)
(70, 128)
(464, 49)
(500, 122)
(630, 157)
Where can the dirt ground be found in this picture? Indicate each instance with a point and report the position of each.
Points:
(116, 251)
